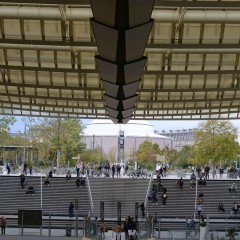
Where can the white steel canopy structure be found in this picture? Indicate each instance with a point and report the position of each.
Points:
(48, 66)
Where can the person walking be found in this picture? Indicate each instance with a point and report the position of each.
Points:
(78, 168)
(164, 198)
(235, 208)
(142, 207)
(8, 168)
(70, 209)
(118, 170)
(125, 170)
(22, 180)
(3, 224)
(113, 170)
(30, 170)
(25, 168)
(199, 209)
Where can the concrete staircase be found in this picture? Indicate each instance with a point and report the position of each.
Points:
(55, 198)
(181, 203)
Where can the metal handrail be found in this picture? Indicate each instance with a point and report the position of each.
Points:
(90, 195)
(148, 190)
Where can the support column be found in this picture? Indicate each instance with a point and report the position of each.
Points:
(102, 211)
(136, 211)
(119, 217)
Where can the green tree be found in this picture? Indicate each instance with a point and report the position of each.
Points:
(146, 153)
(49, 134)
(216, 141)
(92, 155)
(184, 156)
(170, 155)
(5, 123)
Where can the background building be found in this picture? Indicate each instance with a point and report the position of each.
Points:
(122, 139)
(181, 137)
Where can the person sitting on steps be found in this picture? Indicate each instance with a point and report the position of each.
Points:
(233, 188)
(179, 183)
(221, 207)
(68, 175)
(46, 181)
(200, 197)
(30, 191)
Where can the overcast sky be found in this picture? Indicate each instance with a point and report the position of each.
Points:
(158, 125)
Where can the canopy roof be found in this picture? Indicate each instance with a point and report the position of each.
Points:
(48, 68)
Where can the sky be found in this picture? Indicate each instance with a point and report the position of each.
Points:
(158, 125)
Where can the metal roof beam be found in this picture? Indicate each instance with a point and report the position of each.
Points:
(148, 72)
(84, 14)
(160, 3)
(103, 108)
(100, 89)
(55, 44)
(198, 4)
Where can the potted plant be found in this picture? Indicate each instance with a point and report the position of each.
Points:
(231, 233)
(203, 230)
(203, 224)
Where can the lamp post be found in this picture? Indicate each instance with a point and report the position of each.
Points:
(213, 147)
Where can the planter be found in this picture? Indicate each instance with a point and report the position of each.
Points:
(203, 231)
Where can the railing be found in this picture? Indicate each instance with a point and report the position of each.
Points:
(148, 191)
(61, 224)
(90, 195)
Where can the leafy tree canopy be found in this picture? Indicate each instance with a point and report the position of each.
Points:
(49, 134)
(216, 141)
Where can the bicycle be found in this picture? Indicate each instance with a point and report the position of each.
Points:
(138, 174)
(100, 173)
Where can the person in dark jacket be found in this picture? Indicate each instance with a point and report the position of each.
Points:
(70, 210)
(3, 224)
(142, 207)
(30, 191)
(50, 174)
(113, 171)
(22, 180)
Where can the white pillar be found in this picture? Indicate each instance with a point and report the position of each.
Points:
(41, 187)
(136, 165)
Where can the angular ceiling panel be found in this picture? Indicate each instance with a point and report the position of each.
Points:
(111, 102)
(104, 11)
(106, 39)
(129, 102)
(136, 40)
(112, 113)
(110, 89)
(107, 70)
(141, 8)
(130, 89)
(133, 71)
(128, 113)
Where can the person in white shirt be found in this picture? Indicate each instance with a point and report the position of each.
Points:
(199, 209)
(133, 235)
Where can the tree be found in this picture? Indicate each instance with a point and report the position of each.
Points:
(92, 155)
(49, 134)
(5, 123)
(170, 155)
(216, 141)
(184, 156)
(146, 153)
